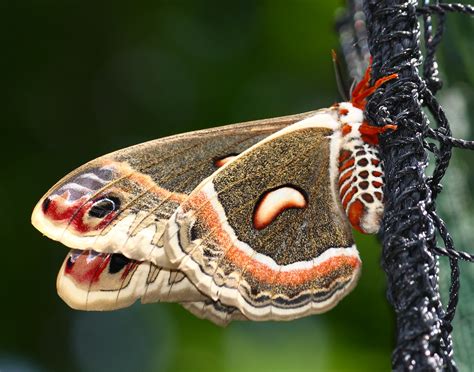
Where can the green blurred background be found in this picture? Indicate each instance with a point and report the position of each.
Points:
(85, 78)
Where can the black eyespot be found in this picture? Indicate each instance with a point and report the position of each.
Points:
(73, 256)
(194, 232)
(69, 263)
(102, 207)
(45, 205)
(117, 262)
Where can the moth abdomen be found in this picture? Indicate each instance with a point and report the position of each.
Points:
(360, 185)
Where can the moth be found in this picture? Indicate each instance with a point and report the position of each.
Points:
(249, 221)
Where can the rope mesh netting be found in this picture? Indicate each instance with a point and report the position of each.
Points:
(392, 32)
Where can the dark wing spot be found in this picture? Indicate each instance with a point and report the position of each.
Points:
(363, 162)
(69, 263)
(117, 262)
(73, 256)
(102, 207)
(45, 204)
(194, 232)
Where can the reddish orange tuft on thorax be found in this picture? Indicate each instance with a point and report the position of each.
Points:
(363, 89)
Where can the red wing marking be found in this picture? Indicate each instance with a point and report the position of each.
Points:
(59, 209)
(87, 266)
(63, 208)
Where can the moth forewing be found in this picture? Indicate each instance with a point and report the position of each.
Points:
(120, 202)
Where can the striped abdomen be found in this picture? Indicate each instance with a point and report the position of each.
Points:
(360, 185)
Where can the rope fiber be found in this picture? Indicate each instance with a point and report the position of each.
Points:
(390, 32)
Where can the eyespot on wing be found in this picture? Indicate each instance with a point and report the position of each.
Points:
(274, 202)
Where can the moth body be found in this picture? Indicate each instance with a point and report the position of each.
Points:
(246, 221)
(360, 172)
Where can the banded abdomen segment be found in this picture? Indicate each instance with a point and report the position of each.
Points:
(360, 185)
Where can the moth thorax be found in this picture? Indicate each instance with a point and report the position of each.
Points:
(360, 185)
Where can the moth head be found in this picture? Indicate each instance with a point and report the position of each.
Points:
(350, 118)
(349, 114)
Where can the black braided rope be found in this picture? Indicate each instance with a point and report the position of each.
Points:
(443, 8)
(430, 67)
(411, 225)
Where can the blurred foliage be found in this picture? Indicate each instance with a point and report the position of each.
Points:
(457, 200)
(86, 78)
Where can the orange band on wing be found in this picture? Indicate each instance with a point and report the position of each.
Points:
(147, 182)
(261, 272)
